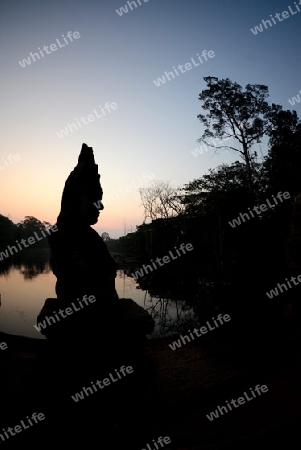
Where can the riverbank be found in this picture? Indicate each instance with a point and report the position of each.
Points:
(170, 395)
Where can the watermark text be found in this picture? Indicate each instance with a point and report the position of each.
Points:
(184, 68)
(86, 119)
(198, 333)
(52, 47)
(280, 17)
(166, 259)
(241, 401)
(259, 209)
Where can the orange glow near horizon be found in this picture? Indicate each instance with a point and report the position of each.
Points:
(35, 189)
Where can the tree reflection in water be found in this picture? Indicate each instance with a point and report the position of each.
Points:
(30, 263)
(170, 308)
(171, 316)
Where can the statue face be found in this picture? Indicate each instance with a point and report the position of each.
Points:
(89, 211)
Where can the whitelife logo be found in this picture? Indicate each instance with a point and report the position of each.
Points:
(284, 14)
(295, 100)
(124, 191)
(53, 48)
(36, 417)
(86, 120)
(241, 401)
(106, 382)
(68, 311)
(259, 209)
(161, 440)
(10, 159)
(124, 9)
(31, 240)
(274, 292)
(3, 346)
(188, 66)
(166, 260)
(203, 330)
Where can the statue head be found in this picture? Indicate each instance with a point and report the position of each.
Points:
(82, 194)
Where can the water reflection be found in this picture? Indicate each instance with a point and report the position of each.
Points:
(26, 283)
(171, 316)
(30, 264)
(30, 272)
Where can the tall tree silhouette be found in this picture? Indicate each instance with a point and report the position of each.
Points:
(244, 116)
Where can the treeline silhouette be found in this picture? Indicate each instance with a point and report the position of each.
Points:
(31, 261)
(11, 232)
(260, 250)
(232, 266)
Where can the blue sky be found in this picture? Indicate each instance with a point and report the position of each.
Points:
(116, 59)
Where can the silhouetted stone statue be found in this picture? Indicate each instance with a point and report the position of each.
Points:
(87, 307)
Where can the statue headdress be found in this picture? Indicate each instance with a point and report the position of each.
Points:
(84, 180)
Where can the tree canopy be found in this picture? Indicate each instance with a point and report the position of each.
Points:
(160, 201)
(243, 115)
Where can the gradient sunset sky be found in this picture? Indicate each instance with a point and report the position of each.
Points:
(116, 59)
